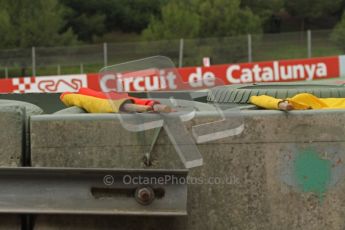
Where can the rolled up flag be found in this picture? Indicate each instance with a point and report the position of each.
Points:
(99, 102)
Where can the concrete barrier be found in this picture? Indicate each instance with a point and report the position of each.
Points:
(12, 123)
(13, 119)
(50, 102)
(284, 171)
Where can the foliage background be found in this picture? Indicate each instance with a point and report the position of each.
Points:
(72, 32)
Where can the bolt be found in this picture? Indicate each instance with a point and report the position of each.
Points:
(144, 195)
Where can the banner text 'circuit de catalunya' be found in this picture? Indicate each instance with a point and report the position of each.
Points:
(192, 77)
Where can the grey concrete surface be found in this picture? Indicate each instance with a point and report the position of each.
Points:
(12, 135)
(27, 110)
(12, 119)
(30, 109)
(63, 222)
(70, 110)
(50, 102)
(284, 171)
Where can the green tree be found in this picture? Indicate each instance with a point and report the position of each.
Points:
(96, 17)
(87, 26)
(264, 8)
(86, 18)
(226, 18)
(177, 20)
(267, 10)
(33, 23)
(135, 14)
(202, 18)
(338, 33)
(306, 10)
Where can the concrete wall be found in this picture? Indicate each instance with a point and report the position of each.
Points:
(12, 136)
(12, 119)
(284, 171)
(50, 102)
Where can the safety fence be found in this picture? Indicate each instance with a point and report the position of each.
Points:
(38, 61)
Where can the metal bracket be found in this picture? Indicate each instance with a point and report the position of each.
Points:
(93, 191)
(148, 154)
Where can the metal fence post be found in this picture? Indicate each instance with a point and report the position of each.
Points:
(180, 62)
(105, 53)
(309, 43)
(33, 56)
(250, 54)
(6, 72)
(59, 69)
(81, 68)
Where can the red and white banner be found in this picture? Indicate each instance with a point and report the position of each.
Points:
(206, 77)
(49, 84)
(185, 78)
